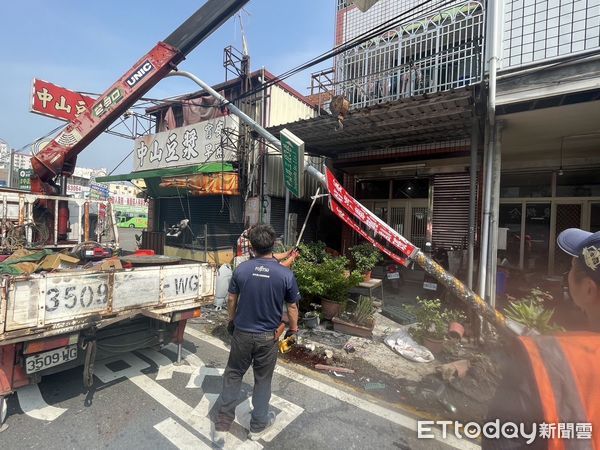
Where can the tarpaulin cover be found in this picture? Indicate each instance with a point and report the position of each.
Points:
(13, 265)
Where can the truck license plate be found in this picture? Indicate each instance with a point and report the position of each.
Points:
(51, 358)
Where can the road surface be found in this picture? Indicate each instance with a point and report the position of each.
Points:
(144, 400)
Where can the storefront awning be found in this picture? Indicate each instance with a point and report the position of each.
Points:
(430, 118)
(169, 172)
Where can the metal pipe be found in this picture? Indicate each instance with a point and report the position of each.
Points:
(494, 217)
(179, 347)
(205, 242)
(286, 225)
(485, 222)
(230, 106)
(79, 223)
(56, 222)
(86, 221)
(472, 201)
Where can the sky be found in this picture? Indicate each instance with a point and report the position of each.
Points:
(87, 45)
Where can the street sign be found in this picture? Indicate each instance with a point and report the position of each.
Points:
(292, 148)
(25, 179)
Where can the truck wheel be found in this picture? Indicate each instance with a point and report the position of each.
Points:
(131, 225)
(3, 412)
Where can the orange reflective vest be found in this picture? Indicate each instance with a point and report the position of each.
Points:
(567, 374)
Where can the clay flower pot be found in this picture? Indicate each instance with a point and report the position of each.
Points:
(455, 330)
(367, 276)
(434, 345)
(330, 309)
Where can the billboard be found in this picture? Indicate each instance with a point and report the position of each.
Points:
(51, 100)
(194, 144)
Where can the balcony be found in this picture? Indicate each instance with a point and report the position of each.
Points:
(437, 53)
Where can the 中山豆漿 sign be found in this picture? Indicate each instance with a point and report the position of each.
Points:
(198, 143)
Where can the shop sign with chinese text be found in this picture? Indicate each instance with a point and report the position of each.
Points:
(194, 144)
(54, 101)
(292, 149)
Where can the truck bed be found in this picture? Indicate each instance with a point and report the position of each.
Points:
(42, 305)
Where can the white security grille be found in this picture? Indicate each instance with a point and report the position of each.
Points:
(436, 53)
(538, 30)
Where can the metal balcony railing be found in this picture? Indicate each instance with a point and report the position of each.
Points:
(436, 53)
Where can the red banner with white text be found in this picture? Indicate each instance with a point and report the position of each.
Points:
(51, 100)
(339, 211)
(379, 227)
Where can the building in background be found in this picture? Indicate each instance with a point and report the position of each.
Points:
(419, 108)
(412, 82)
(548, 105)
(204, 166)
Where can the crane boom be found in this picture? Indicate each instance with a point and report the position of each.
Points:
(60, 155)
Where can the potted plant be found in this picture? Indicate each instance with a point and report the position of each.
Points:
(361, 322)
(321, 276)
(365, 257)
(531, 312)
(456, 319)
(432, 324)
(312, 318)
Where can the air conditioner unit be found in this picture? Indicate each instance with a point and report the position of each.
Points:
(363, 5)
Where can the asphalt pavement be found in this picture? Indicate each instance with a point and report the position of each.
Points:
(145, 400)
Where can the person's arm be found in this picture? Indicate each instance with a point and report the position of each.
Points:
(232, 305)
(232, 300)
(283, 255)
(290, 259)
(292, 310)
(292, 297)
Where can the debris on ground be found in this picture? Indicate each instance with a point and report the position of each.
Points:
(333, 368)
(403, 344)
(454, 369)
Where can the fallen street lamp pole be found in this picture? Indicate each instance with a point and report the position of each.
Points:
(503, 324)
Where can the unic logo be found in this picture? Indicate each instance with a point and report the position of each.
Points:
(140, 73)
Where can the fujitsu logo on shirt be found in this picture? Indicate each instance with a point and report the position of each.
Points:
(261, 269)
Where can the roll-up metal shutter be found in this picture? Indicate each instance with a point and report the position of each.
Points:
(220, 214)
(451, 210)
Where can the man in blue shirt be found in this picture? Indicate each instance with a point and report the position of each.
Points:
(257, 291)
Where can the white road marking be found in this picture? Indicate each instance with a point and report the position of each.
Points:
(191, 416)
(166, 367)
(179, 436)
(200, 373)
(33, 404)
(373, 408)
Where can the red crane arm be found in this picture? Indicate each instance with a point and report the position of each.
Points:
(60, 155)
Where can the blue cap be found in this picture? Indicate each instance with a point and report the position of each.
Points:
(583, 245)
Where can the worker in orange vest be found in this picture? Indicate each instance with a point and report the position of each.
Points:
(552, 382)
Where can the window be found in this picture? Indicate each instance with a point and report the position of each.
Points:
(582, 183)
(517, 185)
(373, 189)
(411, 188)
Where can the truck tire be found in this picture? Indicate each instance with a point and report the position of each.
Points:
(131, 225)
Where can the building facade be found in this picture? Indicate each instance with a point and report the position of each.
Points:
(207, 167)
(417, 83)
